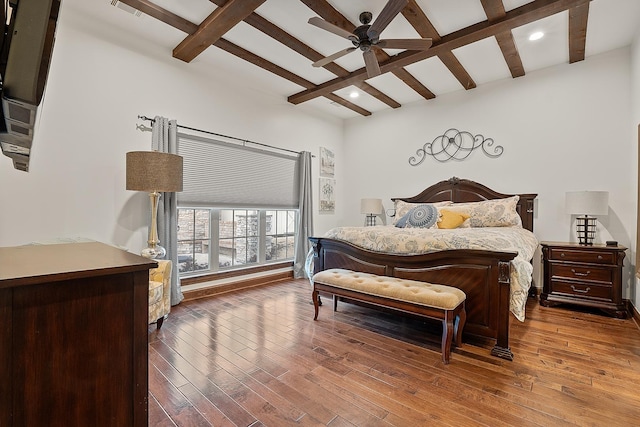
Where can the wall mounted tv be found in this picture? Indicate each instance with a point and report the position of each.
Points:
(25, 54)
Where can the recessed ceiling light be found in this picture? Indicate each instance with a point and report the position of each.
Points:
(354, 94)
(536, 36)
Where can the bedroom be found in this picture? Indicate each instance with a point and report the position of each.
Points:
(564, 128)
(559, 124)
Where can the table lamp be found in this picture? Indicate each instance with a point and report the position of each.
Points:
(586, 203)
(371, 207)
(154, 172)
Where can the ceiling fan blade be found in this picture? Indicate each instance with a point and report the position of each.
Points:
(371, 62)
(390, 10)
(331, 58)
(409, 44)
(327, 26)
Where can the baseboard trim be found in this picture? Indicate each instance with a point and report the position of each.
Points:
(214, 289)
(635, 315)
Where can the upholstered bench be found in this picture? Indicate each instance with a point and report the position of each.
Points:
(433, 301)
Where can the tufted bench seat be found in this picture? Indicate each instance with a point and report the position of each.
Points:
(434, 301)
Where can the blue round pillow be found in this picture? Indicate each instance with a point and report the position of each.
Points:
(422, 216)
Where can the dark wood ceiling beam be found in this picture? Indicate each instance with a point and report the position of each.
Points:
(421, 23)
(327, 12)
(494, 9)
(214, 27)
(184, 25)
(578, 17)
(525, 14)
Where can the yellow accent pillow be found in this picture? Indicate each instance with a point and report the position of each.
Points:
(450, 219)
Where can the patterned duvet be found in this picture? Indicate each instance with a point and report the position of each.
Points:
(413, 241)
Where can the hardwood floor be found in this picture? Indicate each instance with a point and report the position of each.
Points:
(256, 358)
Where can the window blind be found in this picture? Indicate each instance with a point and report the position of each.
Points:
(223, 174)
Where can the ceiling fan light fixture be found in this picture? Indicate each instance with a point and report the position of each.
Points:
(367, 36)
(536, 36)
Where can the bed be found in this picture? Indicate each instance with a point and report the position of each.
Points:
(484, 272)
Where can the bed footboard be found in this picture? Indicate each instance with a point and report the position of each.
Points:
(483, 275)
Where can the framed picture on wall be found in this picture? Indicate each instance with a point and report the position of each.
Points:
(327, 162)
(327, 195)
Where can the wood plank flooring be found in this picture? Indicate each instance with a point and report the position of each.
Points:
(256, 358)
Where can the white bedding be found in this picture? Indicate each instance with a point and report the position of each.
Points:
(413, 241)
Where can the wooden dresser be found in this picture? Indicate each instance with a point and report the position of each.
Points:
(590, 276)
(73, 336)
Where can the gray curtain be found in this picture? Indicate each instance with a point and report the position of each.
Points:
(164, 138)
(305, 215)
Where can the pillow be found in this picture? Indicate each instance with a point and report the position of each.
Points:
(402, 207)
(490, 213)
(450, 219)
(421, 216)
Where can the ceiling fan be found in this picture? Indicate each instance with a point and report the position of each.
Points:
(365, 37)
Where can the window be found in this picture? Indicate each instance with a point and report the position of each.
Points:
(218, 239)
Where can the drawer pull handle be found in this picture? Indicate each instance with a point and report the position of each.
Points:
(562, 254)
(582, 291)
(599, 256)
(577, 273)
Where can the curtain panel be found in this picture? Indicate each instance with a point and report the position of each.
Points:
(164, 138)
(305, 215)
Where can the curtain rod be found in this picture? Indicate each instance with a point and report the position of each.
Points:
(244, 141)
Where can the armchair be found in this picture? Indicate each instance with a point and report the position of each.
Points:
(159, 292)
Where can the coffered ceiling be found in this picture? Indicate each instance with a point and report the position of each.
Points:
(269, 44)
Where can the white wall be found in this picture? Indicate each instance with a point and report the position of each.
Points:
(100, 80)
(635, 122)
(563, 128)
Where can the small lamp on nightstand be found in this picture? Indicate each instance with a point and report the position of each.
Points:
(372, 208)
(586, 203)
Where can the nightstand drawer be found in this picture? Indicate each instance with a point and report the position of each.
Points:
(584, 290)
(582, 272)
(595, 256)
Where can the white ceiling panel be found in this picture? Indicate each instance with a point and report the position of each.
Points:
(435, 76)
(551, 49)
(450, 16)
(483, 60)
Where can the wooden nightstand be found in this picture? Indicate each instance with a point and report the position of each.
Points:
(590, 276)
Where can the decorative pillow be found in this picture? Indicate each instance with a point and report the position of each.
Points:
(450, 219)
(490, 213)
(421, 216)
(402, 208)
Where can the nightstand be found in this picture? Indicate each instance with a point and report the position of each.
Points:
(589, 276)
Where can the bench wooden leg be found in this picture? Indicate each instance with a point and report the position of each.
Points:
(447, 335)
(335, 302)
(316, 303)
(461, 319)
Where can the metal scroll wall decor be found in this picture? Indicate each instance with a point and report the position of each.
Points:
(455, 145)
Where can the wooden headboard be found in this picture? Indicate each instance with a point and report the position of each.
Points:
(463, 190)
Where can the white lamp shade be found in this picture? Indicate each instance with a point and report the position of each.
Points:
(587, 202)
(371, 206)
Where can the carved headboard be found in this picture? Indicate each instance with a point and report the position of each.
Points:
(463, 190)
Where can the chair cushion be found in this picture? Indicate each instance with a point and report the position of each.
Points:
(155, 292)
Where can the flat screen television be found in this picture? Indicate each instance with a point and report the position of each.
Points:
(25, 53)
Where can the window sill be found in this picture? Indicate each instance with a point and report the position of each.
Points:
(226, 281)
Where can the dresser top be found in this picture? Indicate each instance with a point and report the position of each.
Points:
(34, 264)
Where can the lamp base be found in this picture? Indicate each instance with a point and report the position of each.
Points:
(155, 252)
(586, 229)
(370, 220)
